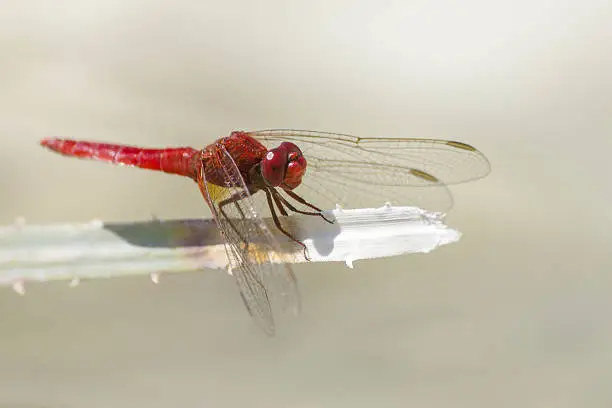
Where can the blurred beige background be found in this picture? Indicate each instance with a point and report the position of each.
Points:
(517, 314)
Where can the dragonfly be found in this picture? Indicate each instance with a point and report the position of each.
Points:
(297, 171)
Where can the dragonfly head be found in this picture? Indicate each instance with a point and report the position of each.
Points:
(283, 166)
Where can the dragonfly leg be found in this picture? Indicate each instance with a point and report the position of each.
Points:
(280, 227)
(278, 197)
(238, 208)
(233, 199)
(306, 203)
(279, 204)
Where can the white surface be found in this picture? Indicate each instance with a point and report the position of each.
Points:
(42, 253)
(517, 314)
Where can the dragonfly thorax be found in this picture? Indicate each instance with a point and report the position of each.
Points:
(283, 166)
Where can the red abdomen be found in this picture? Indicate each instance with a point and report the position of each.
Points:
(181, 160)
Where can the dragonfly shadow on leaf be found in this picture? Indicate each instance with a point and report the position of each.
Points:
(193, 233)
(168, 234)
(322, 234)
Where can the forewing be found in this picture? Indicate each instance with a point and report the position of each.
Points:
(353, 171)
(249, 244)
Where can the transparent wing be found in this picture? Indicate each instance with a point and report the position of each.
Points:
(355, 171)
(249, 244)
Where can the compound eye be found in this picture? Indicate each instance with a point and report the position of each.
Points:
(296, 166)
(273, 166)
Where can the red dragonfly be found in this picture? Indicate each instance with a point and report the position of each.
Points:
(342, 170)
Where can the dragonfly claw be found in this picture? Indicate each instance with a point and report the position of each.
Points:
(305, 252)
(325, 218)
